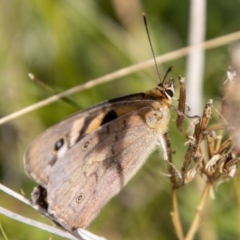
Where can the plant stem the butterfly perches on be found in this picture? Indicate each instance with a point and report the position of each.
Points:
(223, 156)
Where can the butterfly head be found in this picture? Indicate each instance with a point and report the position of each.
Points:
(168, 88)
(163, 93)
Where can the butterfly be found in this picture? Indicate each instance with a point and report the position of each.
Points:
(86, 159)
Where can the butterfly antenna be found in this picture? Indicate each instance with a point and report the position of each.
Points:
(150, 42)
(168, 71)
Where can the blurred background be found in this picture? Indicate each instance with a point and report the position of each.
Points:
(67, 43)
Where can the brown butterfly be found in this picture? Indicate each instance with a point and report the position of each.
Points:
(86, 159)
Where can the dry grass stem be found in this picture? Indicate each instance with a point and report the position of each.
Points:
(197, 218)
(124, 72)
(175, 216)
(36, 224)
(84, 233)
(215, 161)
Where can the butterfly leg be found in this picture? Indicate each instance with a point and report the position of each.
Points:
(172, 169)
(167, 155)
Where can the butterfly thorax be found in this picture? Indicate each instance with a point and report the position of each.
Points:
(158, 95)
(162, 93)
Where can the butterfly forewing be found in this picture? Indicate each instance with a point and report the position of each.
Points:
(42, 154)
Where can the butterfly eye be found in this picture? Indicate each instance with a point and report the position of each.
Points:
(58, 145)
(80, 198)
(169, 93)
